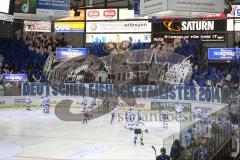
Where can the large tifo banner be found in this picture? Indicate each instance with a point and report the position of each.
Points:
(63, 54)
(223, 53)
(186, 93)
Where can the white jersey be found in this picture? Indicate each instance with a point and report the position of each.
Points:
(140, 116)
(93, 102)
(84, 101)
(114, 111)
(179, 108)
(198, 114)
(164, 115)
(207, 117)
(130, 115)
(139, 125)
(46, 102)
(28, 101)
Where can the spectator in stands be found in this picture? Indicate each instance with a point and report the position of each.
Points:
(163, 155)
(175, 150)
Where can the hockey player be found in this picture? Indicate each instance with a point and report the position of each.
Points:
(139, 115)
(198, 114)
(91, 107)
(86, 115)
(207, 119)
(84, 102)
(113, 114)
(165, 119)
(179, 111)
(129, 115)
(46, 105)
(139, 128)
(28, 103)
(130, 118)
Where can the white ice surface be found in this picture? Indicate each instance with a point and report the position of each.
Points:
(31, 135)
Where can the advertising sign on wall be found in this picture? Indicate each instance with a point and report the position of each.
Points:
(118, 26)
(105, 38)
(205, 37)
(186, 26)
(235, 11)
(213, 6)
(152, 6)
(57, 8)
(4, 6)
(25, 7)
(15, 77)
(41, 9)
(69, 26)
(223, 53)
(73, 17)
(53, 4)
(37, 26)
(6, 17)
(232, 23)
(125, 13)
(101, 14)
(146, 7)
(63, 54)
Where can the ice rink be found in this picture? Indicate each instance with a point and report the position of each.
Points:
(32, 135)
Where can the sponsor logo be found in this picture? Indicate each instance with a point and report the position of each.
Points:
(237, 14)
(198, 25)
(62, 27)
(19, 101)
(171, 27)
(93, 27)
(93, 13)
(69, 26)
(109, 13)
(37, 26)
(190, 26)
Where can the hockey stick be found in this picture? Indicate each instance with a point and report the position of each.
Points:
(154, 151)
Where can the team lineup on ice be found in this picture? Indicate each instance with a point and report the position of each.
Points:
(118, 134)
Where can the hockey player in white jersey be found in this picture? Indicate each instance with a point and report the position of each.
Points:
(208, 120)
(130, 118)
(130, 115)
(139, 127)
(164, 117)
(46, 105)
(113, 114)
(84, 102)
(86, 115)
(139, 115)
(198, 115)
(179, 111)
(91, 107)
(28, 103)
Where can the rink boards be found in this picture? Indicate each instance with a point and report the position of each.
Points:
(141, 104)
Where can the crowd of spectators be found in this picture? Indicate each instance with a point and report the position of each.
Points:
(26, 53)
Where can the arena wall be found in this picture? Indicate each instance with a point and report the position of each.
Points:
(140, 104)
